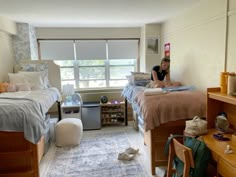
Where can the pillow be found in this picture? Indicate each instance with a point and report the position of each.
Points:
(130, 80)
(43, 75)
(143, 83)
(35, 79)
(42, 67)
(16, 78)
(23, 87)
(140, 76)
(11, 87)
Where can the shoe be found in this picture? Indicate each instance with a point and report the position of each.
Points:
(124, 156)
(131, 150)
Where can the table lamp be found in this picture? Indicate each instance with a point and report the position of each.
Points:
(68, 91)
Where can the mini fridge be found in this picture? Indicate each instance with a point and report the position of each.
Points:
(91, 116)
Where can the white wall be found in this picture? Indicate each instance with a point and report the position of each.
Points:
(231, 52)
(7, 28)
(197, 42)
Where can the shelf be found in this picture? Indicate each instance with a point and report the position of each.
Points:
(218, 102)
(113, 113)
(222, 97)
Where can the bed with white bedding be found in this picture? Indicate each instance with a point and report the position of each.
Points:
(24, 124)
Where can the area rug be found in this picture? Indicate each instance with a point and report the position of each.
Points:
(96, 156)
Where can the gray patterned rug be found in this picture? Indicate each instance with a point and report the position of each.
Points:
(96, 156)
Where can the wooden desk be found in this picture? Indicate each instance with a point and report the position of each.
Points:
(226, 163)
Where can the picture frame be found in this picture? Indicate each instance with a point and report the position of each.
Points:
(152, 45)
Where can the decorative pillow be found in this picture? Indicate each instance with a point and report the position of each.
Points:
(42, 74)
(130, 80)
(40, 67)
(141, 76)
(23, 87)
(143, 83)
(16, 78)
(35, 79)
(11, 88)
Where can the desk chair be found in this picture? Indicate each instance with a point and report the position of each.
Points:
(183, 153)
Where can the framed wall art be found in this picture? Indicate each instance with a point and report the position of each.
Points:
(152, 45)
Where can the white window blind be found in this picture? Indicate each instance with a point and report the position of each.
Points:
(90, 49)
(57, 49)
(122, 49)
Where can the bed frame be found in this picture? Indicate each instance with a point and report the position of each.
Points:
(156, 139)
(19, 157)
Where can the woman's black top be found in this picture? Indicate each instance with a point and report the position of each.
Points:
(160, 74)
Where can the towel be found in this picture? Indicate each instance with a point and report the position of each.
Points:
(154, 91)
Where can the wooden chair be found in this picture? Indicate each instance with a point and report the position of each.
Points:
(183, 153)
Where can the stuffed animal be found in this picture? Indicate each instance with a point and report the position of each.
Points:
(3, 87)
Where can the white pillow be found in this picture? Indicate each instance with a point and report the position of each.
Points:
(17, 78)
(35, 79)
(43, 75)
(23, 87)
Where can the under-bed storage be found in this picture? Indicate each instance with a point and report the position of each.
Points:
(17, 155)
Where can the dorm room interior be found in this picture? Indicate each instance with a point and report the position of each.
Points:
(200, 43)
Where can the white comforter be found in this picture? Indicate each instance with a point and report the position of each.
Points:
(25, 111)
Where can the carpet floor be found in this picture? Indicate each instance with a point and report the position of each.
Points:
(96, 156)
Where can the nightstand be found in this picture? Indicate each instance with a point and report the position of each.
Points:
(71, 110)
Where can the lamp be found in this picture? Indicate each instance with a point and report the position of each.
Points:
(68, 91)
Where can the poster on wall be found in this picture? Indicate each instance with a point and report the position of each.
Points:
(167, 50)
(152, 45)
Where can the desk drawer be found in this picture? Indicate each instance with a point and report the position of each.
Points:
(225, 169)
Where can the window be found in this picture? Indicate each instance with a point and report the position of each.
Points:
(92, 63)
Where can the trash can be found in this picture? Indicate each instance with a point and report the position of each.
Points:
(91, 116)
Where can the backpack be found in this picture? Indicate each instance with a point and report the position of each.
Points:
(201, 155)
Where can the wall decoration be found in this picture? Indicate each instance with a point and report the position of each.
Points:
(152, 45)
(167, 50)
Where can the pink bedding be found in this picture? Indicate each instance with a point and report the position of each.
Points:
(160, 109)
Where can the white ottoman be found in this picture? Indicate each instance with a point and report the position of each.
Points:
(69, 132)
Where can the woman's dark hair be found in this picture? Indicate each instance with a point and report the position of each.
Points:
(165, 59)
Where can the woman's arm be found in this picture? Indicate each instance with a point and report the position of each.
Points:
(168, 77)
(154, 75)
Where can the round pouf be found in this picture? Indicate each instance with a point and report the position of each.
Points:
(69, 132)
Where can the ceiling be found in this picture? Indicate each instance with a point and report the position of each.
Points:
(92, 13)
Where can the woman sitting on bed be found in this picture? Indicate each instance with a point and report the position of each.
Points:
(161, 72)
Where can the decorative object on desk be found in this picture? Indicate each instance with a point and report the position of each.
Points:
(68, 91)
(104, 99)
(77, 99)
(233, 94)
(115, 102)
(196, 126)
(221, 122)
(231, 83)
(223, 82)
(228, 150)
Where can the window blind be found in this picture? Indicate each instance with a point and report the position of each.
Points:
(57, 50)
(122, 49)
(90, 49)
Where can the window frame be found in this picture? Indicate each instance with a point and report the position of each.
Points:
(107, 66)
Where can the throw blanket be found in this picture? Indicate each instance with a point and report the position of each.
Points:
(25, 112)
